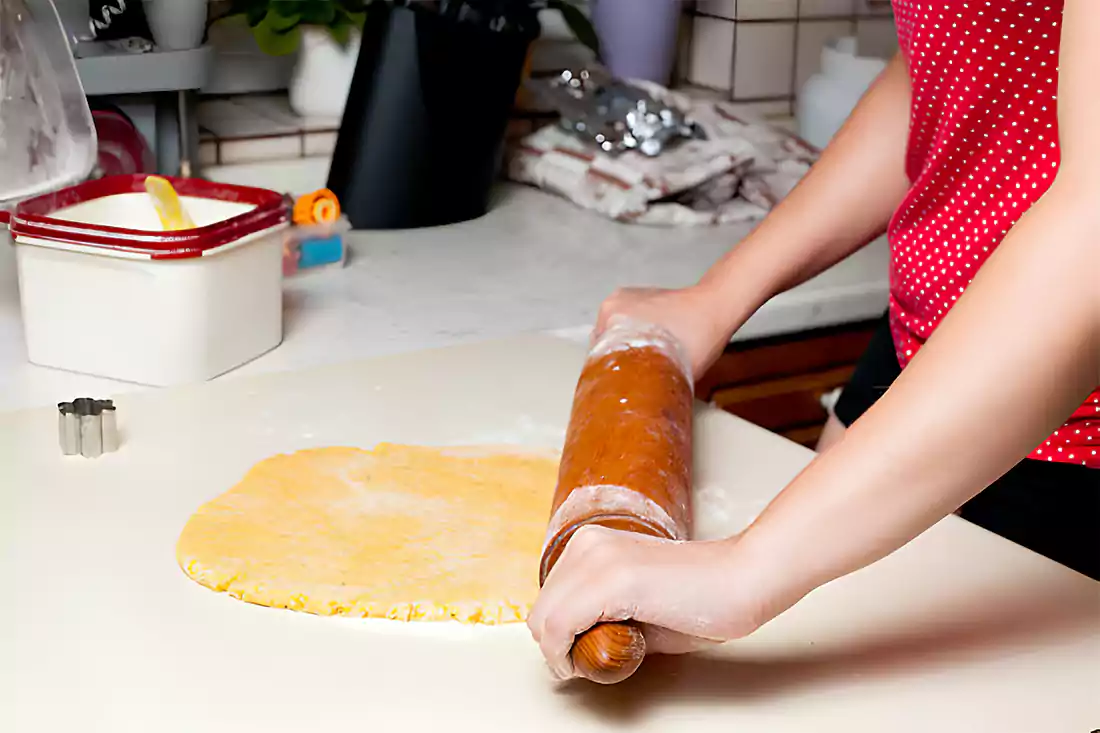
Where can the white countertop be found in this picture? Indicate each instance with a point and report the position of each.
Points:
(958, 632)
(534, 263)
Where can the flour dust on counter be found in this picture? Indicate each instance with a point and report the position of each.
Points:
(398, 532)
(524, 430)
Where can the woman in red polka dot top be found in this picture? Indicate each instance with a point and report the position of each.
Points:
(978, 152)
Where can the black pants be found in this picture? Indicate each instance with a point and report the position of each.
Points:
(1051, 508)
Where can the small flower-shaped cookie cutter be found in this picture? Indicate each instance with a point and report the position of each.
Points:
(87, 427)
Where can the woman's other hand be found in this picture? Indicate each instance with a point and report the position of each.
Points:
(684, 594)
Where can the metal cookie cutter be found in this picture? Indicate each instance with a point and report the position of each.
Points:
(87, 427)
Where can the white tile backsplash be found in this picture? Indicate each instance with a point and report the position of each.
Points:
(208, 153)
(766, 9)
(318, 143)
(877, 37)
(764, 60)
(812, 37)
(779, 109)
(253, 115)
(711, 58)
(874, 7)
(758, 53)
(256, 149)
(296, 176)
(827, 8)
(763, 51)
(235, 117)
(718, 8)
(247, 128)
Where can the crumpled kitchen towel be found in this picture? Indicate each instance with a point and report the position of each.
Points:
(738, 173)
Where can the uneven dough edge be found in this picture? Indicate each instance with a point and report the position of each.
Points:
(474, 612)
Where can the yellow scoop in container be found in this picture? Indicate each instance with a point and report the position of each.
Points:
(173, 216)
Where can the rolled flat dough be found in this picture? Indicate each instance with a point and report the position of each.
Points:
(398, 532)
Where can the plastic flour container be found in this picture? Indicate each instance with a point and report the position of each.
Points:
(105, 291)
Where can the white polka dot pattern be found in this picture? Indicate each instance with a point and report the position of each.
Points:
(983, 147)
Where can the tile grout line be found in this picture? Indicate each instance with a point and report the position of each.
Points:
(793, 18)
(733, 57)
(795, 53)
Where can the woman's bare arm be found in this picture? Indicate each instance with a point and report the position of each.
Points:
(843, 203)
(1016, 355)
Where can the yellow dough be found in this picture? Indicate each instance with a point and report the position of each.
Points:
(399, 532)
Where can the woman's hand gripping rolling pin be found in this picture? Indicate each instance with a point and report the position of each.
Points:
(679, 591)
(685, 313)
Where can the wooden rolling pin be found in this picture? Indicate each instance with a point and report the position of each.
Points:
(626, 465)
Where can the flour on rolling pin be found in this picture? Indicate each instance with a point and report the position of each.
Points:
(627, 457)
(611, 501)
(624, 333)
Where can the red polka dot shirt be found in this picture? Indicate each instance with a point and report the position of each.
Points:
(983, 147)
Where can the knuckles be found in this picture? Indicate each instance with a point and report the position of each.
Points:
(590, 542)
(603, 554)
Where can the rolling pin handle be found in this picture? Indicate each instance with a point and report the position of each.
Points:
(608, 653)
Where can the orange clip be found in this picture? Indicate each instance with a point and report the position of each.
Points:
(319, 207)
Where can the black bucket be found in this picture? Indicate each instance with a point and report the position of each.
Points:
(422, 134)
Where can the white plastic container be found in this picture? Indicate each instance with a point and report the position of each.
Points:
(105, 291)
(828, 97)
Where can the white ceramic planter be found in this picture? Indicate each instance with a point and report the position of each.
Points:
(177, 25)
(322, 77)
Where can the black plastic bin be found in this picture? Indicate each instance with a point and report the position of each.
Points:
(421, 138)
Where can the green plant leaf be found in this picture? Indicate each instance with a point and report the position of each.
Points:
(341, 33)
(358, 18)
(578, 23)
(288, 8)
(282, 18)
(256, 13)
(277, 42)
(319, 12)
(235, 8)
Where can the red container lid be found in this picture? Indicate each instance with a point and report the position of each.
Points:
(32, 219)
